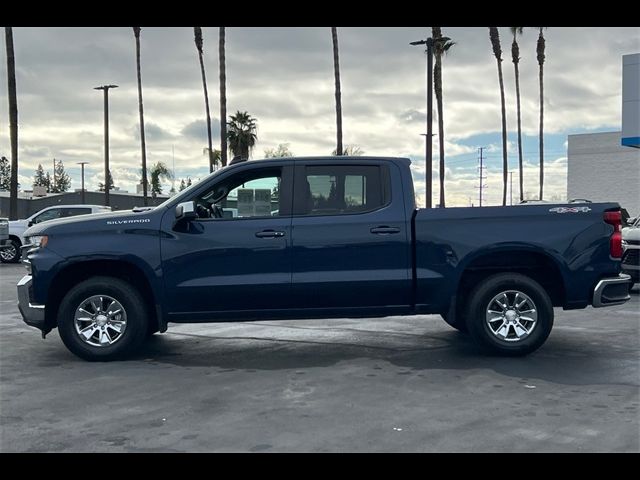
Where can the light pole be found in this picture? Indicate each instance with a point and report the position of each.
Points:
(82, 191)
(429, 156)
(106, 88)
(511, 186)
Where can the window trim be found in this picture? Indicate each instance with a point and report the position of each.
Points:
(300, 176)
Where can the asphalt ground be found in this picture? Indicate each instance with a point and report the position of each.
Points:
(397, 384)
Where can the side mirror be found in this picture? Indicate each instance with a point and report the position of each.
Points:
(186, 211)
(30, 224)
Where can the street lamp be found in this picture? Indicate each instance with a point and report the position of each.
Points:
(82, 191)
(429, 155)
(106, 88)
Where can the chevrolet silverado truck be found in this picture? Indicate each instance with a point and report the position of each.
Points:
(307, 238)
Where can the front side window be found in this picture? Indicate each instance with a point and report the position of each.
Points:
(248, 194)
(48, 215)
(340, 190)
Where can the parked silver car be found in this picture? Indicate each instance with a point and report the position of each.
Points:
(11, 252)
(631, 255)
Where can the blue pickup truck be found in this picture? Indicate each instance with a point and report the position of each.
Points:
(318, 238)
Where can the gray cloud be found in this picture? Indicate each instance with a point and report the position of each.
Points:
(284, 77)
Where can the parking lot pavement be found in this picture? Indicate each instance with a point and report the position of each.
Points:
(390, 384)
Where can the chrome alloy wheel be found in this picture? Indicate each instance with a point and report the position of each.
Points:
(100, 320)
(511, 316)
(8, 253)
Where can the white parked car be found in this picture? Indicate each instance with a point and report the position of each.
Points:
(10, 253)
(631, 255)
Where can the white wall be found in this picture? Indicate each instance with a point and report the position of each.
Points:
(601, 170)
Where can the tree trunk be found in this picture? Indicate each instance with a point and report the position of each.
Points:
(13, 123)
(438, 88)
(541, 130)
(223, 98)
(505, 164)
(143, 144)
(206, 104)
(336, 68)
(515, 53)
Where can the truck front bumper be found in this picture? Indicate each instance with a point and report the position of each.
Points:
(32, 314)
(612, 291)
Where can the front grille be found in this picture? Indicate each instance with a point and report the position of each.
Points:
(633, 242)
(631, 257)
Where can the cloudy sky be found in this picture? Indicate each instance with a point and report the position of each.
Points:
(284, 77)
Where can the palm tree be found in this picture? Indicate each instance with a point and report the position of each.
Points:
(158, 172)
(540, 51)
(242, 134)
(515, 56)
(494, 35)
(197, 31)
(13, 123)
(336, 71)
(223, 97)
(441, 46)
(143, 146)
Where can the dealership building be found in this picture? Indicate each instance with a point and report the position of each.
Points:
(605, 166)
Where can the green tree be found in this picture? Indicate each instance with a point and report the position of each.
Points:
(61, 181)
(515, 57)
(338, 91)
(159, 172)
(182, 185)
(13, 122)
(143, 145)
(197, 31)
(109, 181)
(40, 179)
(540, 51)
(281, 151)
(5, 174)
(242, 134)
(494, 36)
(216, 155)
(441, 46)
(223, 97)
(188, 182)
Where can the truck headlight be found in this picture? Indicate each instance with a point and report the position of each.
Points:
(38, 240)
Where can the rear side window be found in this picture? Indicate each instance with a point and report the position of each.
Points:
(72, 212)
(340, 189)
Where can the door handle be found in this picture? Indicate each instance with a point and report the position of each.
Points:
(384, 230)
(269, 234)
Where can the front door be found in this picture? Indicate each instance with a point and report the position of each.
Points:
(351, 247)
(235, 257)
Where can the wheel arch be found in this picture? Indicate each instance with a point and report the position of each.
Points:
(76, 272)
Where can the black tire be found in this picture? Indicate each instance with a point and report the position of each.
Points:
(479, 303)
(137, 318)
(11, 254)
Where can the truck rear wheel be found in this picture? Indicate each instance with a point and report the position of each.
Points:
(102, 319)
(510, 314)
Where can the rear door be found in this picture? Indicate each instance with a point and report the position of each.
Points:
(350, 240)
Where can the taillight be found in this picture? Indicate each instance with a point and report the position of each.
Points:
(615, 241)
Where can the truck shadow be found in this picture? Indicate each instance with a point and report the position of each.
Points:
(564, 359)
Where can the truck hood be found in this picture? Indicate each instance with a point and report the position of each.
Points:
(631, 233)
(96, 222)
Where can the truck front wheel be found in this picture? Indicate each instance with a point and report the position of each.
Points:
(102, 318)
(510, 314)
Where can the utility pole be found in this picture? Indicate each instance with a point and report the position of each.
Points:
(429, 147)
(481, 177)
(106, 88)
(82, 164)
